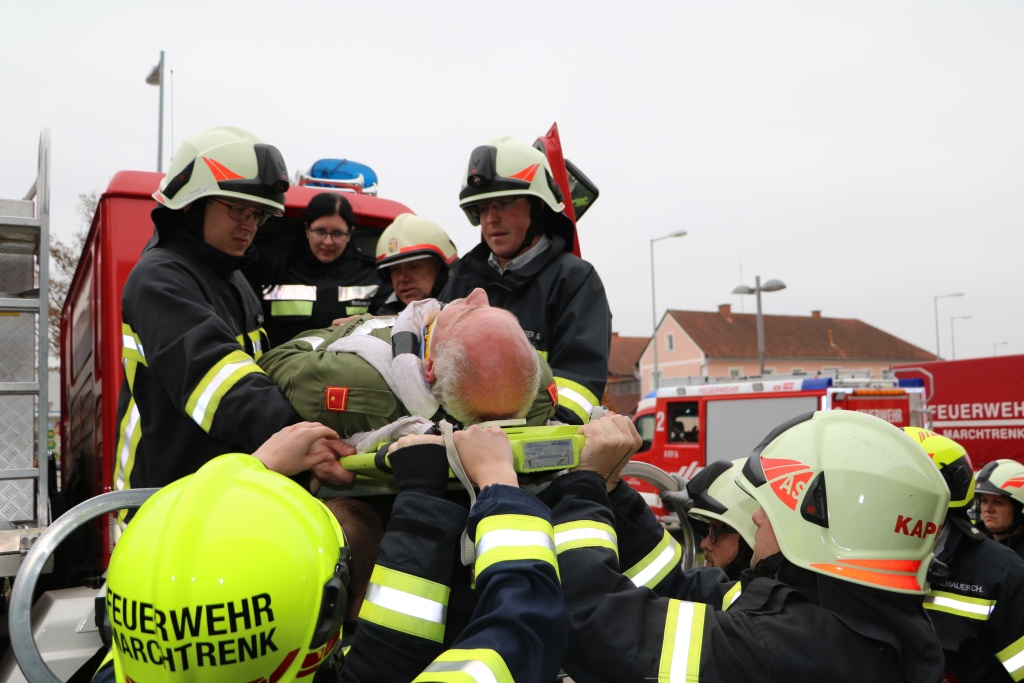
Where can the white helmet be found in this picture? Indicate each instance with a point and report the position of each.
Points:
(715, 495)
(852, 497)
(225, 162)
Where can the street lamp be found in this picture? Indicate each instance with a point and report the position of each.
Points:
(654, 309)
(156, 77)
(941, 296)
(952, 339)
(997, 344)
(770, 286)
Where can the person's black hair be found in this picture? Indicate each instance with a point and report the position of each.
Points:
(330, 204)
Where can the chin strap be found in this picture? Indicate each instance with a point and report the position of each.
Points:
(769, 566)
(455, 463)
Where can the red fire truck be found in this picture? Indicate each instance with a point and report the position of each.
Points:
(684, 428)
(979, 403)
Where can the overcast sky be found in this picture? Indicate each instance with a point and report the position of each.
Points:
(869, 153)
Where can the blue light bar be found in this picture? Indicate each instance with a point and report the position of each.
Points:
(911, 382)
(812, 383)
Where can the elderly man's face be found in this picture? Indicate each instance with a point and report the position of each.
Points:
(455, 310)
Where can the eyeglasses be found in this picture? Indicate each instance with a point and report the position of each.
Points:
(500, 204)
(244, 214)
(335, 235)
(715, 531)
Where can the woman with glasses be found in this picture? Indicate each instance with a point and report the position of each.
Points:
(324, 276)
(727, 511)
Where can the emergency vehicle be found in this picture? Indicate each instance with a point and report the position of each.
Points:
(687, 427)
(979, 403)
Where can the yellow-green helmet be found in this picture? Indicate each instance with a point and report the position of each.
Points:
(953, 462)
(715, 495)
(1003, 478)
(411, 237)
(225, 162)
(234, 573)
(850, 496)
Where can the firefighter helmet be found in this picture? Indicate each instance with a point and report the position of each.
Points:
(715, 495)
(850, 496)
(410, 238)
(505, 167)
(235, 568)
(953, 462)
(225, 162)
(1002, 478)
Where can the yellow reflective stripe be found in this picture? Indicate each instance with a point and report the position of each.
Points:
(107, 659)
(406, 603)
(959, 605)
(684, 636)
(129, 434)
(731, 596)
(467, 666)
(290, 293)
(1012, 659)
(356, 310)
(543, 355)
(585, 534)
(256, 339)
(219, 380)
(503, 538)
(279, 309)
(131, 346)
(656, 565)
(576, 398)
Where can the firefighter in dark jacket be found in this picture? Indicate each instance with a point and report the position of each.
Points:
(850, 506)
(191, 325)
(517, 632)
(978, 610)
(526, 265)
(1000, 504)
(325, 277)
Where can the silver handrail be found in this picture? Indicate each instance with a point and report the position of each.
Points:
(660, 479)
(19, 613)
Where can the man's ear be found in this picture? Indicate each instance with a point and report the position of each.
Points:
(428, 370)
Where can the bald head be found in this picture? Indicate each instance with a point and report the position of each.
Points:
(482, 365)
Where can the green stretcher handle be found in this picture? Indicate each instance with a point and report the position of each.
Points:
(534, 449)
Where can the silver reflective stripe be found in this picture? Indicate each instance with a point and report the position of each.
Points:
(583, 534)
(290, 293)
(1013, 663)
(128, 342)
(478, 671)
(962, 605)
(683, 639)
(405, 603)
(576, 398)
(199, 414)
(663, 559)
(357, 292)
(312, 341)
(511, 537)
(123, 456)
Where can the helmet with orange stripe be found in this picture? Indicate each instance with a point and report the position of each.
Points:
(225, 162)
(953, 463)
(1003, 478)
(852, 497)
(505, 167)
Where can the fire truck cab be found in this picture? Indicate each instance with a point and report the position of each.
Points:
(684, 428)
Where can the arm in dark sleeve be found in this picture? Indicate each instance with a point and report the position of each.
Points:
(518, 629)
(580, 345)
(198, 360)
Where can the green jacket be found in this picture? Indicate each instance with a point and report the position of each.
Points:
(344, 392)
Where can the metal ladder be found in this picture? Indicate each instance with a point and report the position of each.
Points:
(24, 309)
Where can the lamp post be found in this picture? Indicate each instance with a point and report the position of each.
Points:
(997, 344)
(156, 77)
(941, 296)
(952, 338)
(770, 286)
(654, 310)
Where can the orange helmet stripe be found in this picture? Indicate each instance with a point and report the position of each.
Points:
(220, 171)
(897, 581)
(527, 173)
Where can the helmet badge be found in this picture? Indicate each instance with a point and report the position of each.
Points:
(787, 478)
(392, 245)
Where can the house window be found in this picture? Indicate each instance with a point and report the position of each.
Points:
(670, 342)
(735, 372)
(798, 371)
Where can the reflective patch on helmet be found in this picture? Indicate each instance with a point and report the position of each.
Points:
(787, 478)
(220, 171)
(1014, 483)
(392, 245)
(527, 173)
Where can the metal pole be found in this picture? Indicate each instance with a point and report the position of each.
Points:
(760, 323)
(952, 340)
(654, 324)
(160, 132)
(938, 353)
